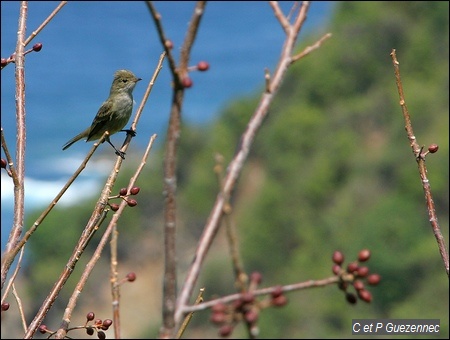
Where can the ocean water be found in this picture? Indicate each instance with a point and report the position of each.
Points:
(83, 46)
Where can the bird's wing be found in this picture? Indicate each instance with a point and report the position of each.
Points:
(98, 124)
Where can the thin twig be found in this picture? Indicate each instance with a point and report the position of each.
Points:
(264, 291)
(416, 149)
(230, 227)
(46, 21)
(189, 316)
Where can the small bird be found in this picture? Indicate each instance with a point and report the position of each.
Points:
(114, 113)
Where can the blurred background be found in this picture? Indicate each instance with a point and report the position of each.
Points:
(330, 170)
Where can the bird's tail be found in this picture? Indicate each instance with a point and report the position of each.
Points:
(75, 139)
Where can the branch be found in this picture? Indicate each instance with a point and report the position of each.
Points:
(420, 158)
(237, 163)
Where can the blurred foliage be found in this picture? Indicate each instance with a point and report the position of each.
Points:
(330, 169)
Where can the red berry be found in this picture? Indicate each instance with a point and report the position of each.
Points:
(5, 306)
(251, 316)
(364, 255)
(277, 291)
(89, 330)
(219, 307)
(256, 277)
(433, 148)
(101, 335)
(247, 297)
(114, 206)
(4, 62)
(365, 295)
(43, 329)
(373, 279)
(90, 316)
(134, 190)
(123, 192)
(203, 66)
(358, 284)
(132, 203)
(280, 301)
(131, 276)
(3, 163)
(225, 330)
(218, 318)
(107, 323)
(352, 267)
(186, 82)
(362, 271)
(338, 257)
(336, 269)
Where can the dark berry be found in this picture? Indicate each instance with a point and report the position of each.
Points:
(134, 190)
(131, 276)
(433, 148)
(37, 47)
(132, 203)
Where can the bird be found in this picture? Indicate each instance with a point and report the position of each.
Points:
(114, 113)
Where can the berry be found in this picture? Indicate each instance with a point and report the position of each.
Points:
(362, 271)
(132, 203)
(114, 206)
(338, 257)
(373, 279)
(277, 291)
(37, 47)
(106, 324)
(365, 295)
(352, 267)
(131, 276)
(186, 82)
(203, 66)
(256, 277)
(358, 285)
(169, 44)
(134, 190)
(433, 148)
(364, 255)
(225, 330)
(351, 298)
(279, 301)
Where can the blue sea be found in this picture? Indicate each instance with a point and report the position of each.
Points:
(83, 46)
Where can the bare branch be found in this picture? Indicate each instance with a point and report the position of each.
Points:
(420, 158)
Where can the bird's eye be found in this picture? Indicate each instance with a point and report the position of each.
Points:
(124, 80)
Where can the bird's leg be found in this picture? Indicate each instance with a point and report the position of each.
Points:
(130, 132)
(118, 152)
